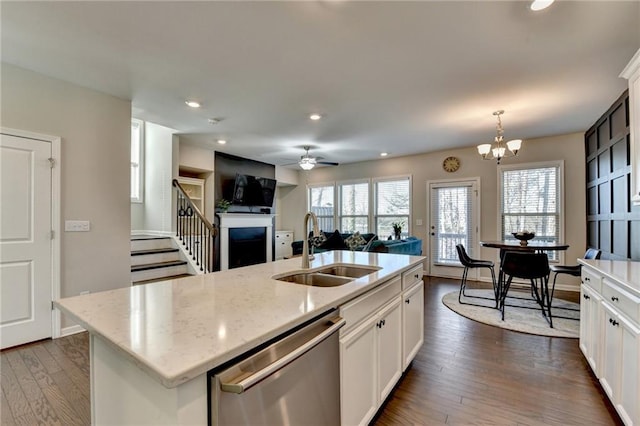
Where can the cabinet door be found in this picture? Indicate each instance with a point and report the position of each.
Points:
(611, 357)
(627, 402)
(590, 324)
(358, 374)
(412, 323)
(389, 328)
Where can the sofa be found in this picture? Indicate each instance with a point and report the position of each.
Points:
(368, 242)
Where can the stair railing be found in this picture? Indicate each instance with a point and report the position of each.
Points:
(195, 232)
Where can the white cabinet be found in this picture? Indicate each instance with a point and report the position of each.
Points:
(412, 314)
(370, 364)
(632, 73)
(610, 339)
(194, 188)
(283, 244)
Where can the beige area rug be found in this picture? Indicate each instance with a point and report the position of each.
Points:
(519, 319)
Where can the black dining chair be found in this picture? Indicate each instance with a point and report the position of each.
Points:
(470, 263)
(529, 266)
(573, 270)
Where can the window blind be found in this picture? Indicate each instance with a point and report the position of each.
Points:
(354, 207)
(392, 204)
(452, 211)
(321, 202)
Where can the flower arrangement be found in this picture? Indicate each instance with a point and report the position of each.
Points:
(397, 228)
(223, 205)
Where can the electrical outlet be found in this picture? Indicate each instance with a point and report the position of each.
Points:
(77, 225)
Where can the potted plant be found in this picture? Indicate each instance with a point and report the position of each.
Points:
(397, 229)
(223, 205)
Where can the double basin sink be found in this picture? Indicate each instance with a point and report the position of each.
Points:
(328, 276)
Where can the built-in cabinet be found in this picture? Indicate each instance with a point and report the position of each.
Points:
(610, 335)
(283, 244)
(194, 188)
(632, 73)
(383, 334)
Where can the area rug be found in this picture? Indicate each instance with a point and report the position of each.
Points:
(519, 319)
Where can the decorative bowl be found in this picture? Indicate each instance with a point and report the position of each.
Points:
(523, 236)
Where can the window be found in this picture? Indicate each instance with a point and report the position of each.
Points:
(137, 182)
(354, 207)
(392, 204)
(530, 198)
(322, 202)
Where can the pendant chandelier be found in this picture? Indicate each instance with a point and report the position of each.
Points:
(499, 149)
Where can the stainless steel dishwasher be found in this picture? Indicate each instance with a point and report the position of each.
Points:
(293, 381)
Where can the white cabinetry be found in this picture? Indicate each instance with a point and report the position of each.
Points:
(412, 314)
(632, 73)
(283, 244)
(610, 337)
(194, 188)
(383, 334)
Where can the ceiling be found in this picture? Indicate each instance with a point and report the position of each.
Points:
(398, 77)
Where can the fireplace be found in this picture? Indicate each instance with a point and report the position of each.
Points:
(247, 246)
(245, 239)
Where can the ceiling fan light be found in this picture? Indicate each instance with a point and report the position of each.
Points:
(540, 4)
(305, 164)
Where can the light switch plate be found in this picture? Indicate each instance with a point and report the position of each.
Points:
(418, 222)
(77, 226)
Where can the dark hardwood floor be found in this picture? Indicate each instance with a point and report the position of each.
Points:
(466, 373)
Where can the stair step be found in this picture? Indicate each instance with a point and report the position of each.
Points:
(142, 242)
(154, 280)
(153, 251)
(158, 265)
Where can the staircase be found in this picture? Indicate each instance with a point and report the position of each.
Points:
(156, 258)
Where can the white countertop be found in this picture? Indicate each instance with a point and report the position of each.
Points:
(625, 272)
(178, 329)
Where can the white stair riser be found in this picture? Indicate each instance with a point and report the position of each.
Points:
(150, 274)
(144, 259)
(151, 244)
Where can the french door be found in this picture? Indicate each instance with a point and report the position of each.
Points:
(453, 219)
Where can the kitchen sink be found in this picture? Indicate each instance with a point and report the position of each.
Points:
(351, 271)
(329, 276)
(315, 279)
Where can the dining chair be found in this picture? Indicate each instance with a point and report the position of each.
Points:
(573, 270)
(470, 263)
(529, 266)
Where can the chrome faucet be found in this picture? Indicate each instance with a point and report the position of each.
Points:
(306, 257)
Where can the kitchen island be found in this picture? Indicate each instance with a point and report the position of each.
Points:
(152, 345)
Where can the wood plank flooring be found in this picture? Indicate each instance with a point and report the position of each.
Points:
(466, 373)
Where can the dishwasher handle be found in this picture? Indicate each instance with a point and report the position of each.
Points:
(246, 383)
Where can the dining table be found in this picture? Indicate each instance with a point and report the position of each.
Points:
(515, 245)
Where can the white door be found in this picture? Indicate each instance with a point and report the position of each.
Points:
(25, 240)
(453, 220)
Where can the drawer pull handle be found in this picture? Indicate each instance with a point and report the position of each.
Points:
(613, 322)
(614, 299)
(380, 324)
(417, 276)
(587, 279)
(586, 296)
(407, 301)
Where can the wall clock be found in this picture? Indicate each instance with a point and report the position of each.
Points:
(451, 164)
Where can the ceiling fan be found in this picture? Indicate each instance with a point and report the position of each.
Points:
(307, 162)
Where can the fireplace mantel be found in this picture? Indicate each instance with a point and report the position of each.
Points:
(243, 220)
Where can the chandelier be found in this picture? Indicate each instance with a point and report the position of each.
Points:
(499, 149)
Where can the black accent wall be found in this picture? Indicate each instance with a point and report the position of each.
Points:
(613, 223)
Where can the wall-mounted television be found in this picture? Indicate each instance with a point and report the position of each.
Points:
(253, 191)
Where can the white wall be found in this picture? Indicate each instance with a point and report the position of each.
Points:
(95, 171)
(425, 167)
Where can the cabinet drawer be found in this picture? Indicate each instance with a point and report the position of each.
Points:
(591, 279)
(358, 309)
(412, 276)
(626, 303)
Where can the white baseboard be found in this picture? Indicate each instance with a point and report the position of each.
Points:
(68, 331)
(520, 283)
(158, 233)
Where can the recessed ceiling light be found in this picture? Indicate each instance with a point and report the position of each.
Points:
(192, 104)
(315, 117)
(221, 141)
(383, 154)
(540, 4)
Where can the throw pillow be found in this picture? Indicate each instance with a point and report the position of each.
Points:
(334, 242)
(354, 240)
(367, 247)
